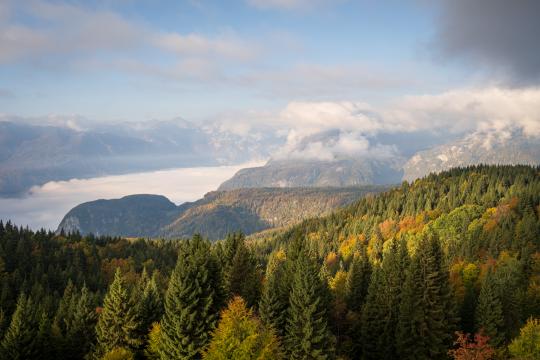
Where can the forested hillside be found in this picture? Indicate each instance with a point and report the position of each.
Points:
(213, 216)
(400, 275)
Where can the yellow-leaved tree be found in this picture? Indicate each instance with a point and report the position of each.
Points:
(240, 335)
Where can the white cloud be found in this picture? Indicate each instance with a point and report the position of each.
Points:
(46, 205)
(197, 45)
(496, 111)
(455, 111)
(290, 4)
(65, 29)
(334, 81)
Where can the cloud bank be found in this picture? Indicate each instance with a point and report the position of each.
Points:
(46, 205)
(497, 111)
(497, 34)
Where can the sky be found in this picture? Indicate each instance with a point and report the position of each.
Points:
(128, 60)
(296, 68)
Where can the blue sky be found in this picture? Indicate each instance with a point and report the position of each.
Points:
(141, 60)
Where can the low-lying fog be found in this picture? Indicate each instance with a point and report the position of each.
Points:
(45, 205)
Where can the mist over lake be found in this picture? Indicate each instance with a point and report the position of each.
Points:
(44, 206)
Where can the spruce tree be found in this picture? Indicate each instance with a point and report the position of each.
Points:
(307, 331)
(489, 311)
(192, 302)
(275, 297)
(44, 338)
(62, 318)
(356, 287)
(118, 321)
(241, 273)
(381, 309)
(427, 315)
(20, 340)
(80, 332)
(358, 281)
(151, 304)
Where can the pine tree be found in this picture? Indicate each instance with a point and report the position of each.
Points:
(240, 335)
(381, 309)
(358, 281)
(44, 338)
(118, 322)
(489, 313)
(192, 302)
(62, 318)
(275, 297)
(20, 340)
(427, 314)
(307, 332)
(81, 328)
(356, 288)
(241, 273)
(151, 304)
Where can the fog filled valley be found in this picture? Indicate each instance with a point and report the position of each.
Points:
(269, 179)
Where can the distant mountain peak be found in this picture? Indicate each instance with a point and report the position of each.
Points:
(481, 147)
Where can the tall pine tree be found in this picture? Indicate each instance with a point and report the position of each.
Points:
(307, 332)
(20, 340)
(241, 272)
(381, 309)
(489, 312)
(118, 322)
(275, 296)
(192, 302)
(427, 314)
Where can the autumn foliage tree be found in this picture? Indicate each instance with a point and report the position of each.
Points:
(477, 348)
(240, 335)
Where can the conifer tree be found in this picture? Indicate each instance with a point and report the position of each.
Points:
(427, 314)
(241, 273)
(381, 309)
(358, 281)
(118, 322)
(192, 302)
(44, 338)
(307, 332)
(61, 319)
(20, 340)
(151, 304)
(356, 287)
(489, 312)
(154, 337)
(81, 328)
(275, 297)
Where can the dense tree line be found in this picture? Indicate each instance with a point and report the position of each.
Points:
(445, 267)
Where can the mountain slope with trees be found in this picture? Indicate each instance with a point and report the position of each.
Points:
(214, 216)
(447, 266)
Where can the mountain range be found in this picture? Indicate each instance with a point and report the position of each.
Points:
(478, 148)
(215, 215)
(33, 154)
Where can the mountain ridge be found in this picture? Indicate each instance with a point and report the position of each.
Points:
(214, 215)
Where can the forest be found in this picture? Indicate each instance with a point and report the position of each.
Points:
(445, 267)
